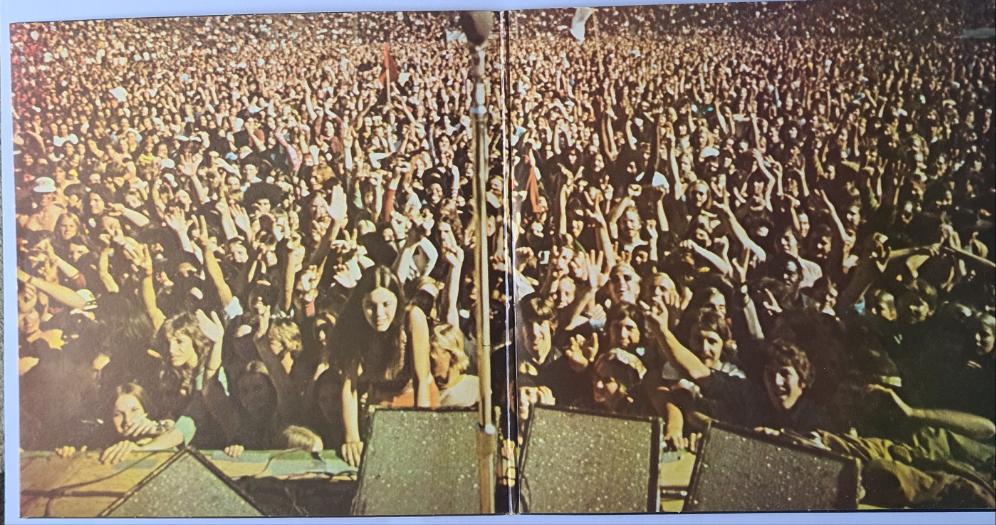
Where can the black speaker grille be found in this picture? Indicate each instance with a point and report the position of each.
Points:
(576, 462)
(741, 472)
(419, 462)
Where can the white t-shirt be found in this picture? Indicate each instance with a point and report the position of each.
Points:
(463, 394)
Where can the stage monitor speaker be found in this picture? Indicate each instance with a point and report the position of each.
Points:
(186, 485)
(579, 462)
(419, 462)
(740, 470)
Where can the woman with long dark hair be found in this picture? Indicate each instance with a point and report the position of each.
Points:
(382, 351)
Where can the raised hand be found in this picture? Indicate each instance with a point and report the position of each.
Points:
(296, 254)
(211, 326)
(308, 282)
(498, 263)
(740, 267)
(177, 221)
(593, 261)
(723, 243)
(337, 205)
(776, 167)
(241, 218)
(822, 194)
(202, 234)
(652, 231)
(579, 350)
(595, 212)
(689, 245)
(133, 251)
(724, 202)
(453, 255)
(657, 314)
(222, 206)
(770, 303)
(189, 163)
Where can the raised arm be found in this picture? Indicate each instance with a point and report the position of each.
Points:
(971, 425)
(177, 222)
(835, 217)
(214, 330)
(604, 240)
(418, 330)
(683, 358)
(227, 222)
(454, 256)
(565, 192)
(677, 190)
(770, 185)
(56, 291)
(148, 289)
(714, 259)
(211, 264)
(133, 216)
(295, 263)
(595, 279)
(751, 318)
(738, 230)
(104, 270)
(337, 210)
(617, 212)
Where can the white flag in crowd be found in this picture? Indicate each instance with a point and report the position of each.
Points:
(581, 16)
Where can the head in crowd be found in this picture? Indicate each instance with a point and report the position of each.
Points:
(615, 377)
(447, 352)
(535, 326)
(711, 339)
(787, 374)
(128, 407)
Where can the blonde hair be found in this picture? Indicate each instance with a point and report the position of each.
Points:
(449, 338)
(295, 436)
(288, 333)
(186, 323)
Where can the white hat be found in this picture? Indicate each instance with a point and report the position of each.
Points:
(44, 185)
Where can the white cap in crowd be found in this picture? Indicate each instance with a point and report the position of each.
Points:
(44, 185)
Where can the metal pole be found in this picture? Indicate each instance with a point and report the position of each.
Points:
(486, 436)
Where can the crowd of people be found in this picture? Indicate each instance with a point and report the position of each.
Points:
(242, 232)
(778, 216)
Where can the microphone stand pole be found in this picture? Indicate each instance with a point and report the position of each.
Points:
(486, 434)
